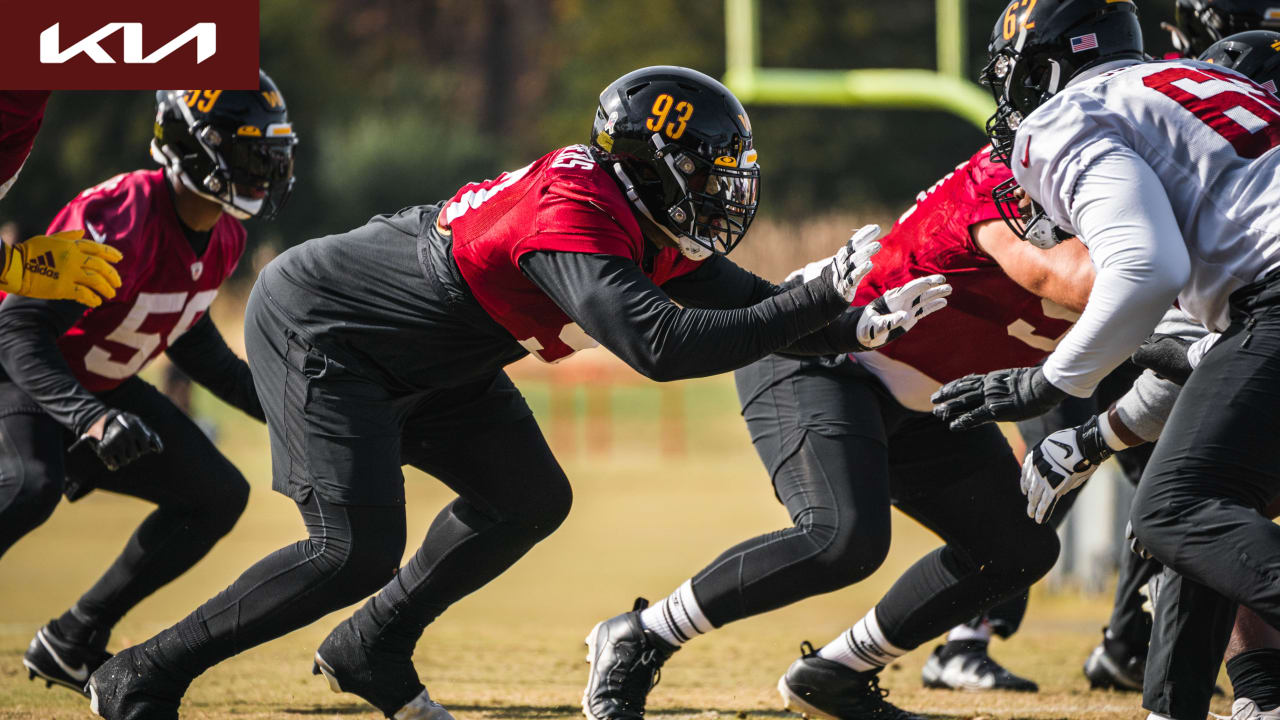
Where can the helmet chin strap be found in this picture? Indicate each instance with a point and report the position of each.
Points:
(173, 167)
(688, 248)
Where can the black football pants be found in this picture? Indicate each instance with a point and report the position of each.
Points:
(840, 450)
(198, 493)
(1198, 508)
(330, 438)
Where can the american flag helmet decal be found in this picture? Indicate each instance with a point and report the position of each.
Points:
(1084, 42)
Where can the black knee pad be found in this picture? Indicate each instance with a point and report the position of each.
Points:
(1022, 550)
(29, 491)
(233, 493)
(554, 502)
(356, 569)
(1036, 551)
(847, 554)
(216, 501)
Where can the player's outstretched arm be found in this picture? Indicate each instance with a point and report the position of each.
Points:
(1063, 274)
(615, 303)
(203, 354)
(719, 283)
(61, 266)
(1120, 209)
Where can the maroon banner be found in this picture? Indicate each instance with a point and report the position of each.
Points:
(128, 45)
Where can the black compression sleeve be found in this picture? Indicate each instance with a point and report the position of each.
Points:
(623, 310)
(203, 354)
(29, 353)
(720, 283)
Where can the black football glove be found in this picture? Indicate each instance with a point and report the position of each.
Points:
(1166, 356)
(1012, 394)
(125, 438)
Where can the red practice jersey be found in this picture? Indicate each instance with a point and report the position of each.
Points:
(564, 202)
(165, 288)
(990, 322)
(20, 116)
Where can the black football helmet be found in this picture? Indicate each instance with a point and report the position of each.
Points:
(1197, 24)
(234, 147)
(1039, 45)
(679, 144)
(1254, 54)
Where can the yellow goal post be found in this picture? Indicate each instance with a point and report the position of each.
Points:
(943, 89)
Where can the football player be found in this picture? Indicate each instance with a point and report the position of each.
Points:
(1119, 660)
(74, 416)
(385, 346)
(1197, 24)
(59, 266)
(1164, 171)
(842, 439)
(1062, 462)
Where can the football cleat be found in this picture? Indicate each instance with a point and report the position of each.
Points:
(55, 659)
(819, 688)
(968, 667)
(1246, 709)
(626, 663)
(1107, 673)
(385, 681)
(132, 686)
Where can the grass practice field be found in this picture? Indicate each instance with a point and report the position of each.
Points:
(641, 524)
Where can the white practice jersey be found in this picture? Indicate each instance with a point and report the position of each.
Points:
(1211, 138)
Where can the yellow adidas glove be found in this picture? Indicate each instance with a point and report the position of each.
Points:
(61, 266)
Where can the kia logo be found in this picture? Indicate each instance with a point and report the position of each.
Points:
(205, 35)
(129, 45)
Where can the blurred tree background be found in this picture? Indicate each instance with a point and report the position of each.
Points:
(399, 102)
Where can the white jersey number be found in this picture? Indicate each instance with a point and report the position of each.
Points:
(1026, 332)
(98, 360)
(1243, 113)
(571, 335)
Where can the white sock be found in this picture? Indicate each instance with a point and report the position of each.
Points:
(862, 647)
(960, 633)
(677, 619)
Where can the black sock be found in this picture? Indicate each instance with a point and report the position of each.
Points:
(961, 647)
(1256, 675)
(82, 631)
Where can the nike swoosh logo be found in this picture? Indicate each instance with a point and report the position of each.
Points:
(1026, 154)
(79, 674)
(95, 233)
(1065, 447)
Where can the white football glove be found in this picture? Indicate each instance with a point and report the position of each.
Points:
(849, 265)
(1059, 464)
(892, 314)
